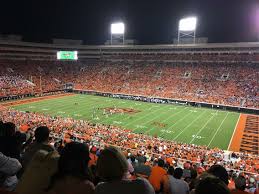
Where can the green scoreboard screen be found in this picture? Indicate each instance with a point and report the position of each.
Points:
(67, 55)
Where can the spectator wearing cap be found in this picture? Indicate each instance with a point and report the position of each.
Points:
(240, 185)
(141, 169)
(41, 143)
(112, 169)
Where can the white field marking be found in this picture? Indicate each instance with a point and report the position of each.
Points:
(43, 105)
(158, 116)
(77, 115)
(198, 137)
(167, 131)
(141, 126)
(45, 109)
(117, 122)
(150, 108)
(218, 129)
(61, 112)
(234, 132)
(176, 121)
(125, 118)
(189, 125)
(90, 106)
(202, 128)
(68, 107)
(153, 106)
(65, 108)
(146, 115)
(31, 107)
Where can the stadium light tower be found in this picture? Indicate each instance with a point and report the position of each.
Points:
(187, 28)
(117, 32)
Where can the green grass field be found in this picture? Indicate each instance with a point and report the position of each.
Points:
(200, 126)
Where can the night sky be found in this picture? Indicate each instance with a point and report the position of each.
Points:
(148, 21)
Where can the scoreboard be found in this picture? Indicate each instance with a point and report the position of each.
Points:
(67, 55)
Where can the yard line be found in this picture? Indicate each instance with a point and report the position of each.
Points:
(146, 115)
(91, 105)
(189, 125)
(63, 108)
(40, 105)
(178, 120)
(202, 128)
(159, 115)
(66, 106)
(234, 132)
(218, 129)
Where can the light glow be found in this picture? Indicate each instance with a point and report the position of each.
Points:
(188, 24)
(118, 28)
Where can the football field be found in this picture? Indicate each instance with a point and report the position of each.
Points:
(193, 125)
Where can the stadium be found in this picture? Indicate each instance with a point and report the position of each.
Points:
(190, 106)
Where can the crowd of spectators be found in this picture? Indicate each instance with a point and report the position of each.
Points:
(28, 77)
(232, 84)
(9, 85)
(39, 154)
(228, 83)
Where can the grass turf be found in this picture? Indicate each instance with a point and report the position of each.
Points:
(194, 125)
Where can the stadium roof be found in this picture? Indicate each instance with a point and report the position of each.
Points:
(162, 46)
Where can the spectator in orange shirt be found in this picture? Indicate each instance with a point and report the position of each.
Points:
(157, 174)
(93, 157)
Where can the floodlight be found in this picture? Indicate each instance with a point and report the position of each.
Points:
(118, 28)
(188, 24)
